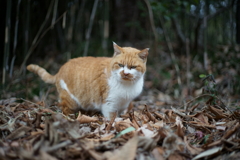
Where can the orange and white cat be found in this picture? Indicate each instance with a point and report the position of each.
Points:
(102, 83)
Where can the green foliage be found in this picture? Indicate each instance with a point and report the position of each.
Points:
(125, 131)
(165, 74)
(172, 8)
(209, 84)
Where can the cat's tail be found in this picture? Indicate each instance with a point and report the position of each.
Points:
(43, 74)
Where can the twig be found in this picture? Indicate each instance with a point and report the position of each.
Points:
(90, 27)
(33, 46)
(57, 146)
(223, 106)
(30, 102)
(171, 53)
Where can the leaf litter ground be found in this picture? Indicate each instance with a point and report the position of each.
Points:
(199, 129)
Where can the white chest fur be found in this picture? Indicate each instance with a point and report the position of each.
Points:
(121, 93)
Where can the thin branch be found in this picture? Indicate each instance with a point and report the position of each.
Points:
(33, 46)
(36, 43)
(171, 52)
(90, 27)
(44, 22)
(151, 19)
(177, 28)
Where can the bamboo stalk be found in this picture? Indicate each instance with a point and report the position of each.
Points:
(69, 35)
(54, 13)
(90, 27)
(78, 25)
(105, 27)
(26, 26)
(152, 25)
(188, 63)
(7, 40)
(15, 39)
(205, 54)
(151, 19)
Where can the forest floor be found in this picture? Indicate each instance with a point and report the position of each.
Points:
(204, 127)
(187, 122)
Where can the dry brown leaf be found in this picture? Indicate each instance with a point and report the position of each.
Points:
(158, 153)
(193, 150)
(109, 126)
(121, 125)
(150, 116)
(147, 144)
(180, 131)
(146, 130)
(175, 156)
(171, 116)
(127, 152)
(217, 112)
(89, 149)
(200, 124)
(86, 119)
(107, 137)
(18, 133)
(208, 153)
(159, 115)
(171, 144)
(202, 118)
(134, 120)
(46, 156)
(158, 124)
(230, 131)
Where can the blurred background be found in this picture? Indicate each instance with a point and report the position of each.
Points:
(187, 38)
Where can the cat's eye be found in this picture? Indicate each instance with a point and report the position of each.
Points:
(121, 65)
(133, 67)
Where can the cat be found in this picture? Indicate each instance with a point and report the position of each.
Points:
(107, 84)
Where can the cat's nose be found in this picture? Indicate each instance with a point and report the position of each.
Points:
(125, 74)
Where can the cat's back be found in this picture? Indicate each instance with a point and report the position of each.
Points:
(87, 62)
(84, 65)
(84, 73)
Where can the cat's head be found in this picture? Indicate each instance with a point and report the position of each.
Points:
(128, 64)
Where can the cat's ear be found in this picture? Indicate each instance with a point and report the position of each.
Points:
(143, 54)
(117, 49)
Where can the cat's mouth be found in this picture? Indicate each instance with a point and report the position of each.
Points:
(127, 78)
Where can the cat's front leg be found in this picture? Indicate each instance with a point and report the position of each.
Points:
(108, 110)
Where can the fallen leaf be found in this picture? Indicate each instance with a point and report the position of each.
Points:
(127, 152)
(208, 152)
(145, 131)
(122, 125)
(18, 133)
(158, 153)
(86, 119)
